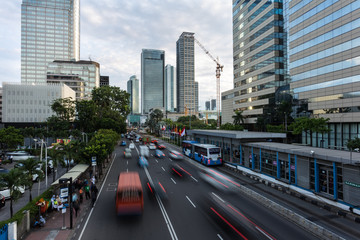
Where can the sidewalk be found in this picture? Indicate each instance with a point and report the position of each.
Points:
(55, 220)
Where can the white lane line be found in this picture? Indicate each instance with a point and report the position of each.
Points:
(194, 179)
(173, 180)
(163, 211)
(156, 160)
(220, 237)
(264, 233)
(170, 160)
(163, 168)
(92, 209)
(127, 170)
(191, 202)
(127, 162)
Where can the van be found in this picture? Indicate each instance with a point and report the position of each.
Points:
(144, 151)
(129, 194)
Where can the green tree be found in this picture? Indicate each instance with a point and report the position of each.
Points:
(57, 157)
(353, 144)
(10, 138)
(238, 118)
(13, 181)
(153, 121)
(30, 168)
(310, 125)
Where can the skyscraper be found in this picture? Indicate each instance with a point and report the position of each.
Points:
(258, 53)
(152, 79)
(50, 30)
(187, 88)
(213, 104)
(170, 88)
(133, 90)
(324, 40)
(207, 105)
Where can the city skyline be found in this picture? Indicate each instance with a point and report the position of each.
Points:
(117, 46)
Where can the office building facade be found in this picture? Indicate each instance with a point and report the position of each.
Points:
(30, 102)
(259, 60)
(50, 30)
(133, 90)
(187, 88)
(104, 81)
(324, 63)
(207, 105)
(213, 104)
(152, 79)
(170, 88)
(81, 76)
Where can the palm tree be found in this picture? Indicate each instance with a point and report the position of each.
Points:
(30, 168)
(13, 180)
(57, 156)
(238, 118)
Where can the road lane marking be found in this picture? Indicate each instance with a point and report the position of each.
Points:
(163, 169)
(92, 209)
(173, 180)
(220, 237)
(194, 179)
(191, 202)
(157, 161)
(163, 211)
(264, 233)
(127, 162)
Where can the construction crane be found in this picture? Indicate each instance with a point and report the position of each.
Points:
(219, 68)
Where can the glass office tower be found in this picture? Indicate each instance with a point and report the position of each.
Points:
(258, 61)
(133, 90)
(324, 40)
(152, 79)
(187, 88)
(170, 88)
(50, 30)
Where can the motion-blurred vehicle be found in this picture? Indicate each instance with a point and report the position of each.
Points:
(132, 145)
(123, 143)
(161, 147)
(143, 162)
(152, 146)
(175, 155)
(2, 201)
(127, 153)
(144, 151)
(129, 198)
(19, 155)
(233, 219)
(159, 154)
(157, 189)
(218, 180)
(154, 141)
(178, 170)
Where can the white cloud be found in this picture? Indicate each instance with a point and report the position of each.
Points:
(114, 32)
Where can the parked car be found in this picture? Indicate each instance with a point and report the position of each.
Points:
(143, 162)
(152, 146)
(175, 155)
(2, 201)
(127, 153)
(159, 154)
(123, 143)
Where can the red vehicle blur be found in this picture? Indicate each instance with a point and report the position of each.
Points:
(155, 142)
(161, 147)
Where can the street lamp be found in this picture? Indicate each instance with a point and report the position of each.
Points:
(44, 143)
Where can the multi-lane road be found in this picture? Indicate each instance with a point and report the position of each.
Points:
(193, 208)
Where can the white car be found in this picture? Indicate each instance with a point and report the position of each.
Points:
(152, 146)
(131, 145)
(6, 192)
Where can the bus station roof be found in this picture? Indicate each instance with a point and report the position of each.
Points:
(75, 172)
(238, 134)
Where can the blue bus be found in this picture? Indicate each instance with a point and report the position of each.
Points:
(206, 154)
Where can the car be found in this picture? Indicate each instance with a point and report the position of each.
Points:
(159, 154)
(144, 151)
(137, 140)
(175, 155)
(3, 170)
(154, 141)
(2, 201)
(127, 153)
(161, 147)
(143, 162)
(152, 146)
(131, 145)
(123, 143)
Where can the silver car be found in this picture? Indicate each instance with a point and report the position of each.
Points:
(127, 153)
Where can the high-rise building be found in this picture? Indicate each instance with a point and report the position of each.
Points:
(207, 105)
(50, 30)
(324, 43)
(133, 90)
(104, 81)
(81, 76)
(213, 104)
(259, 63)
(187, 88)
(170, 88)
(152, 79)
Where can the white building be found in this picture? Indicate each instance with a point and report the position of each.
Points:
(30, 103)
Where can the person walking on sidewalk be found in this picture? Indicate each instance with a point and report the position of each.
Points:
(87, 192)
(94, 192)
(81, 194)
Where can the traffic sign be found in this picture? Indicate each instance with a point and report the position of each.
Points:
(93, 161)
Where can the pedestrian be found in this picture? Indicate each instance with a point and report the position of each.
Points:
(93, 180)
(81, 194)
(76, 207)
(94, 192)
(53, 206)
(87, 192)
(58, 203)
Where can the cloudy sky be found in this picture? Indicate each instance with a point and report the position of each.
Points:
(113, 33)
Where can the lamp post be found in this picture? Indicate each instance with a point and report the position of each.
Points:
(41, 150)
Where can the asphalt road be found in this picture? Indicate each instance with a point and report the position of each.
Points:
(186, 214)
